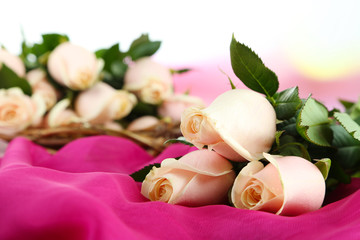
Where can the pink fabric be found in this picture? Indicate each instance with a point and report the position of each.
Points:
(84, 192)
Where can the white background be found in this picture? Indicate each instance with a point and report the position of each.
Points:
(319, 38)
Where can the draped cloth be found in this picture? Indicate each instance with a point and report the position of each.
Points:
(84, 191)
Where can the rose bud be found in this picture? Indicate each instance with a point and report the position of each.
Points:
(73, 66)
(39, 84)
(19, 111)
(103, 103)
(286, 186)
(175, 105)
(60, 115)
(13, 62)
(198, 178)
(239, 124)
(143, 123)
(151, 81)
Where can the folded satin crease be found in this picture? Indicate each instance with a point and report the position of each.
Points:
(84, 191)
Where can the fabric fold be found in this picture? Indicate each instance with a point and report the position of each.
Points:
(84, 191)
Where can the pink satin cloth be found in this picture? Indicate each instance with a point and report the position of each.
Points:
(84, 191)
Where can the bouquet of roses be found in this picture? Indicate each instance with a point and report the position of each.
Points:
(56, 84)
(259, 148)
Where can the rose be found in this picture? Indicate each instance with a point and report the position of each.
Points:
(143, 123)
(60, 115)
(239, 124)
(12, 61)
(39, 84)
(287, 186)
(18, 111)
(198, 178)
(175, 105)
(151, 81)
(102, 103)
(73, 66)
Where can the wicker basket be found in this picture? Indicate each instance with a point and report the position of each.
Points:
(152, 139)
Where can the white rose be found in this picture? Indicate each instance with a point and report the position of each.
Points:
(74, 66)
(13, 62)
(176, 104)
(40, 85)
(239, 124)
(151, 81)
(19, 111)
(61, 115)
(102, 103)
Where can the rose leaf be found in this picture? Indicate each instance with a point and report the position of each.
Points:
(9, 79)
(313, 123)
(347, 148)
(250, 69)
(350, 125)
(179, 140)
(139, 176)
(143, 47)
(324, 166)
(287, 103)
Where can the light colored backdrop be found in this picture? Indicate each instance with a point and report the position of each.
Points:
(303, 40)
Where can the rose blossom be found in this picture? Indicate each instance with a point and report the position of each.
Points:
(19, 111)
(143, 123)
(175, 105)
(198, 178)
(39, 84)
(103, 103)
(13, 62)
(286, 186)
(151, 81)
(74, 66)
(239, 124)
(60, 115)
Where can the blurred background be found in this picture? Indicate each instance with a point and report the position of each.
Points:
(312, 44)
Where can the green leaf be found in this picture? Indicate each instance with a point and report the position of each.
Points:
(287, 103)
(277, 138)
(347, 104)
(139, 176)
(324, 166)
(350, 125)
(250, 69)
(337, 172)
(313, 123)
(142, 109)
(114, 66)
(288, 146)
(9, 79)
(143, 47)
(179, 140)
(179, 71)
(347, 148)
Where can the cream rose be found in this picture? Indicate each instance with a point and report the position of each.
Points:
(40, 85)
(74, 66)
(239, 124)
(198, 178)
(19, 111)
(143, 123)
(13, 62)
(176, 104)
(286, 186)
(61, 115)
(151, 81)
(102, 103)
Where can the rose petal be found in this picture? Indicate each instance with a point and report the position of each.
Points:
(249, 130)
(303, 184)
(201, 161)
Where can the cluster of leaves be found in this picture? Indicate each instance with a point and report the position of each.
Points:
(305, 127)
